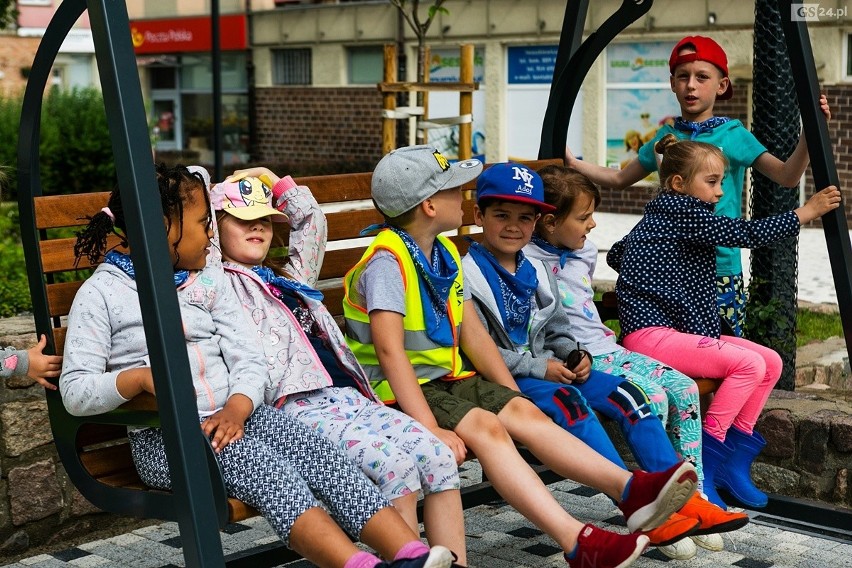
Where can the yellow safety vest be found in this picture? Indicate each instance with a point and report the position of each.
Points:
(430, 360)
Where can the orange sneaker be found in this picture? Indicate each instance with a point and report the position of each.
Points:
(711, 518)
(675, 528)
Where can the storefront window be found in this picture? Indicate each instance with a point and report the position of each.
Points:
(196, 72)
(198, 126)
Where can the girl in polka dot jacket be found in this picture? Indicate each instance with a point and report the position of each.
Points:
(667, 303)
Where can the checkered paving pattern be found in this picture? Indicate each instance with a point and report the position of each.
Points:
(498, 537)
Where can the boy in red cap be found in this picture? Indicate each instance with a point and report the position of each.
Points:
(699, 77)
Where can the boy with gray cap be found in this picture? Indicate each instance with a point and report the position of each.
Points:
(404, 305)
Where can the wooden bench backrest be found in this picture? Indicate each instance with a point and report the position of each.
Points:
(347, 196)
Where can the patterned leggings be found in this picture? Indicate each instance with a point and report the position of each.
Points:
(395, 451)
(280, 467)
(672, 396)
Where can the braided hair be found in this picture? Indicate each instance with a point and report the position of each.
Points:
(175, 185)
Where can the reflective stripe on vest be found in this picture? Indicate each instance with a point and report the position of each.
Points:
(430, 360)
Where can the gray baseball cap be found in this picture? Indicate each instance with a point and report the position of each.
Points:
(406, 177)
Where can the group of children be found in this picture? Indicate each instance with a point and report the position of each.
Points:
(332, 435)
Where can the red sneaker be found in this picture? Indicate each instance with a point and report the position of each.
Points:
(597, 548)
(674, 529)
(653, 497)
(712, 518)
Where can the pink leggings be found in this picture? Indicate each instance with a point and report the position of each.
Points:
(748, 372)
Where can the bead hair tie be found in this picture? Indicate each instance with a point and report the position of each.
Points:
(108, 213)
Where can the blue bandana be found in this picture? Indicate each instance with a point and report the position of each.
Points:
(697, 128)
(269, 277)
(124, 262)
(563, 253)
(436, 277)
(513, 292)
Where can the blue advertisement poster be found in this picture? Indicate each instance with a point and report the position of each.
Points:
(531, 64)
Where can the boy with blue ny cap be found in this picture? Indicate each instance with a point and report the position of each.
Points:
(415, 332)
(518, 302)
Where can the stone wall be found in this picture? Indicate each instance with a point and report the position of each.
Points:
(38, 503)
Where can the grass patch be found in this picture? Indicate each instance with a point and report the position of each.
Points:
(816, 326)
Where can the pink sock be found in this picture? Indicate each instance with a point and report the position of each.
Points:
(361, 559)
(412, 549)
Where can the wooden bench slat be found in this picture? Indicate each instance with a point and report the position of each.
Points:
(53, 211)
(60, 296)
(57, 255)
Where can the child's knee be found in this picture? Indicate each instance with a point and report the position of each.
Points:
(484, 424)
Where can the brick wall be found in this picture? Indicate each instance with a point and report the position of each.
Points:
(308, 125)
(16, 54)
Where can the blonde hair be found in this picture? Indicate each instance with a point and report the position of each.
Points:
(684, 158)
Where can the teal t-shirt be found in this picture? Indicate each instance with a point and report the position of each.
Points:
(741, 149)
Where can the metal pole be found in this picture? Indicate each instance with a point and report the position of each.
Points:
(216, 50)
(823, 166)
(190, 476)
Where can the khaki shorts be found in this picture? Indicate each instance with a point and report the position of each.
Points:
(450, 401)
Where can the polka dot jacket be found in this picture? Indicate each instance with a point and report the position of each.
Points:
(667, 263)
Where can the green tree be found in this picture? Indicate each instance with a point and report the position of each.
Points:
(8, 13)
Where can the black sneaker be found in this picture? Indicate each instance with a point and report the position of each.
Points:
(437, 557)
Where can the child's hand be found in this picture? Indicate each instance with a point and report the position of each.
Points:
(452, 440)
(569, 158)
(583, 369)
(263, 174)
(228, 424)
(557, 372)
(43, 366)
(819, 204)
(823, 105)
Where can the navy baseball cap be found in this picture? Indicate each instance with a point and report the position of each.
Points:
(512, 182)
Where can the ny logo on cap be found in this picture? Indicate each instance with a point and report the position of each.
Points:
(524, 175)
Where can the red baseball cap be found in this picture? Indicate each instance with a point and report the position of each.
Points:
(705, 50)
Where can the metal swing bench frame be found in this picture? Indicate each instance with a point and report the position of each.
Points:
(93, 449)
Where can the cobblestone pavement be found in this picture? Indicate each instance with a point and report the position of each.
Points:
(498, 537)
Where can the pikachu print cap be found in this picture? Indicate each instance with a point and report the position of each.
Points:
(247, 199)
(406, 177)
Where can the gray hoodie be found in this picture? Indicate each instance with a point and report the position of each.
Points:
(105, 336)
(549, 337)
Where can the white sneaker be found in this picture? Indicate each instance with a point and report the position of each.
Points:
(683, 549)
(712, 542)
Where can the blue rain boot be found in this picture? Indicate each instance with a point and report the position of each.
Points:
(714, 455)
(735, 474)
